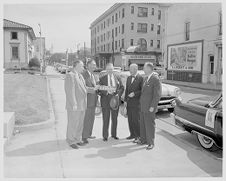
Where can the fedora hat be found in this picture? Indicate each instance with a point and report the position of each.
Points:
(114, 102)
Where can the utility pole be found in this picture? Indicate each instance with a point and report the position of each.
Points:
(113, 53)
(85, 52)
(67, 60)
(41, 61)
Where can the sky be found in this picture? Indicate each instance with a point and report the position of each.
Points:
(63, 25)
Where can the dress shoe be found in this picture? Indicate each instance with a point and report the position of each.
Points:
(84, 140)
(130, 137)
(105, 139)
(141, 142)
(74, 146)
(150, 146)
(81, 143)
(136, 140)
(92, 137)
(115, 137)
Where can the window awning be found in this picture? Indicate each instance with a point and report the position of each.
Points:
(132, 48)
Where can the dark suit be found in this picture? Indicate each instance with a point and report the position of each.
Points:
(133, 104)
(150, 96)
(105, 104)
(91, 104)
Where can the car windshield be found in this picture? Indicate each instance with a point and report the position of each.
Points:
(216, 100)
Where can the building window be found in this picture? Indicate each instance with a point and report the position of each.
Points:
(123, 13)
(104, 48)
(132, 9)
(187, 31)
(211, 57)
(131, 42)
(142, 44)
(112, 33)
(101, 26)
(153, 11)
(122, 28)
(158, 43)
(132, 26)
(151, 43)
(142, 27)
(116, 17)
(104, 24)
(119, 43)
(119, 14)
(98, 39)
(116, 32)
(104, 36)
(122, 43)
(142, 12)
(98, 28)
(14, 35)
(115, 45)
(119, 29)
(112, 19)
(108, 23)
(158, 29)
(15, 52)
(159, 14)
(95, 31)
(152, 27)
(220, 23)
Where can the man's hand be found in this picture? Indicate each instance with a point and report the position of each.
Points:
(125, 103)
(151, 109)
(75, 108)
(131, 94)
(111, 92)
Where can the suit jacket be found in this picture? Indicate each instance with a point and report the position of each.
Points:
(135, 87)
(76, 92)
(91, 93)
(105, 97)
(150, 94)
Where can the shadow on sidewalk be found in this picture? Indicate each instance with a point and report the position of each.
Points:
(112, 148)
(213, 168)
(39, 148)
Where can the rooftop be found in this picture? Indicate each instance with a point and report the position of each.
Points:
(12, 24)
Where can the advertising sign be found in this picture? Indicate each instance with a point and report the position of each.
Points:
(185, 56)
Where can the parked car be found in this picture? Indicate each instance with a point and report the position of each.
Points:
(169, 92)
(202, 117)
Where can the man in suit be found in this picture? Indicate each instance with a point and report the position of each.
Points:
(110, 79)
(91, 100)
(150, 96)
(76, 103)
(134, 85)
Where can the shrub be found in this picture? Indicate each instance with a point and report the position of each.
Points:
(34, 62)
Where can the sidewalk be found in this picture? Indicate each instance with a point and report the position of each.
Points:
(207, 86)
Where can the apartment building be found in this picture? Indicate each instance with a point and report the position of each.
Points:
(129, 33)
(193, 42)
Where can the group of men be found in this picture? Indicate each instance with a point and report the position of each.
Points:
(142, 95)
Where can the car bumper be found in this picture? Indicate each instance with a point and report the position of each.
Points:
(165, 104)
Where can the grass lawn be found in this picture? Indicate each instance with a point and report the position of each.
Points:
(26, 95)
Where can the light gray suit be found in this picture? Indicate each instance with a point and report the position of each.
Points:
(150, 96)
(76, 95)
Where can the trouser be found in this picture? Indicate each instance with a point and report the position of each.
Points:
(88, 122)
(147, 127)
(106, 118)
(133, 120)
(74, 126)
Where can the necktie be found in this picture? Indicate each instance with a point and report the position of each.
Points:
(93, 80)
(133, 77)
(111, 82)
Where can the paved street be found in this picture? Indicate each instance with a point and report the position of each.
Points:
(44, 153)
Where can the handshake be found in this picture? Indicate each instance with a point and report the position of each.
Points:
(109, 89)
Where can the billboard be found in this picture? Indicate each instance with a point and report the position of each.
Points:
(185, 57)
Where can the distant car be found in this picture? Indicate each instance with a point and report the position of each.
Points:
(202, 117)
(169, 92)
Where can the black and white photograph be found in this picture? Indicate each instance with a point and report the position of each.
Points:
(112, 90)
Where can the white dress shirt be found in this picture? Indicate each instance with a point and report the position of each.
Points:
(133, 78)
(112, 78)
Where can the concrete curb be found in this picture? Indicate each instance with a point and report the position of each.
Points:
(192, 86)
(44, 124)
